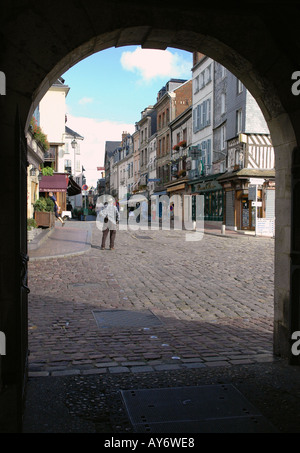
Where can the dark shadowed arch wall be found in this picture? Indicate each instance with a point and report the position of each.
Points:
(257, 41)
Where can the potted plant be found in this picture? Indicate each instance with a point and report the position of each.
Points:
(181, 173)
(38, 134)
(44, 213)
(47, 171)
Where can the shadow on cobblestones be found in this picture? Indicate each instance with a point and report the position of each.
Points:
(90, 404)
(71, 340)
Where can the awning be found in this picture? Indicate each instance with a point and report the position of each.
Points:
(60, 182)
(174, 188)
(73, 188)
(55, 183)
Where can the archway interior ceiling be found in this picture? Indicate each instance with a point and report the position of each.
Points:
(41, 44)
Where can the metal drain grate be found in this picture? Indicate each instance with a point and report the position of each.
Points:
(203, 409)
(125, 319)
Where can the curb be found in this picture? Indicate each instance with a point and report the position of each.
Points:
(86, 248)
(40, 239)
(115, 368)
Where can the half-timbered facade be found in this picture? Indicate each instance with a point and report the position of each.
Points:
(250, 162)
(250, 151)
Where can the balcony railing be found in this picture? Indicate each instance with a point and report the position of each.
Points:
(50, 155)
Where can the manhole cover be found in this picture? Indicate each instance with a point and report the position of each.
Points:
(203, 409)
(125, 318)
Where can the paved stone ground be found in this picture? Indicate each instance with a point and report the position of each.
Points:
(214, 299)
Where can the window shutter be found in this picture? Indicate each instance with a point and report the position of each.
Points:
(208, 112)
(199, 117)
(204, 110)
(203, 148)
(208, 152)
(195, 119)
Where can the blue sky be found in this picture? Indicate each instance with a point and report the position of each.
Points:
(109, 90)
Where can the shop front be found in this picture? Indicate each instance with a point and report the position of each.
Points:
(240, 207)
(213, 194)
(177, 190)
(61, 184)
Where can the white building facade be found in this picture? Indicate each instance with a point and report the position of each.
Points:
(152, 177)
(70, 162)
(202, 138)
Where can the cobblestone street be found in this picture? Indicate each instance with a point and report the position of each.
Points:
(208, 303)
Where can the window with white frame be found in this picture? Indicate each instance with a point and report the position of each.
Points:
(207, 76)
(196, 84)
(202, 116)
(240, 87)
(239, 121)
(223, 137)
(201, 80)
(223, 103)
(68, 165)
(204, 78)
(206, 156)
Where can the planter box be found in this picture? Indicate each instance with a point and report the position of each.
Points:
(45, 219)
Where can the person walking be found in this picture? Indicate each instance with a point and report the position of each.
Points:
(56, 208)
(110, 216)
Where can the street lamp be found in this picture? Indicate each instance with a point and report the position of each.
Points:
(74, 146)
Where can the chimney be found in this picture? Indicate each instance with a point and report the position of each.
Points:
(197, 56)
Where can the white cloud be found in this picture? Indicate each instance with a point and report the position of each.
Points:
(85, 101)
(92, 148)
(152, 63)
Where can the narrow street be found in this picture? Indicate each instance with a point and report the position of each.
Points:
(157, 314)
(157, 302)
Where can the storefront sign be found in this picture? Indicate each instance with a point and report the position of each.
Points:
(233, 143)
(265, 227)
(210, 185)
(256, 181)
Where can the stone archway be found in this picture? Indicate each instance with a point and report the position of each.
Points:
(39, 43)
